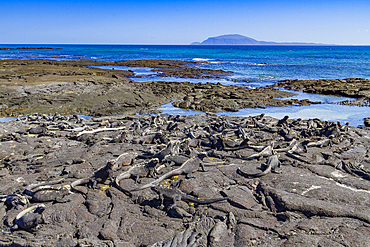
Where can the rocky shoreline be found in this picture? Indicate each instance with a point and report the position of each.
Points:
(78, 87)
(313, 190)
(74, 87)
(352, 87)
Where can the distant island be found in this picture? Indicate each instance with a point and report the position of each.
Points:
(237, 39)
(26, 48)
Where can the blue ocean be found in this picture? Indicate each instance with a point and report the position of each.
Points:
(252, 66)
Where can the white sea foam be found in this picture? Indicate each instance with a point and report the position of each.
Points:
(258, 64)
(197, 59)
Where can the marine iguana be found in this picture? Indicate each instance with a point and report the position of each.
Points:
(321, 143)
(190, 166)
(46, 193)
(271, 165)
(176, 159)
(29, 218)
(241, 145)
(177, 195)
(291, 146)
(100, 176)
(138, 171)
(283, 121)
(291, 155)
(172, 148)
(124, 159)
(14, 200)
(266, 151)
(149, 139)
(294, 147)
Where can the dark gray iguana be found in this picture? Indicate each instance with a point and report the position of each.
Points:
(177, 195)
(272, 164)
(100, 176)
(138, 171)
(44, 192)
(29, 218)
(17, 201)
(190, 166)
(105, 172)
(172, 148)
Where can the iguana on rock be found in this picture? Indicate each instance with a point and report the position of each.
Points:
(29, 218)
(190, 166)
(44, 192)
(138, 171)
(271, 165)
(172, 148)
(105, 172)
(100, 176)
(177, 195)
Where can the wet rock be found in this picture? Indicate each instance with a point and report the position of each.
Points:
(367, 122)
(78, 88)
(350, 87)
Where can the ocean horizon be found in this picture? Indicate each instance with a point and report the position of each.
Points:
(248, 61)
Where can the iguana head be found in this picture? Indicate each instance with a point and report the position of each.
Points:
(154, 188)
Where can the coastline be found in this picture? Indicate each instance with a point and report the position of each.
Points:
(356, 88)
(73, 87)
(91, 88)
(287, 204)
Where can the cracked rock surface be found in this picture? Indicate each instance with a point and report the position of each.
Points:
(318, 195)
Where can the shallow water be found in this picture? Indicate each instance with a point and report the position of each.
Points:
(6, 119)
(144, 74)
(326, 112)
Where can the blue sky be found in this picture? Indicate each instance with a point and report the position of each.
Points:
(182, 22)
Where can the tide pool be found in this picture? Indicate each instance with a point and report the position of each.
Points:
(5, 119)
(327, 112)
